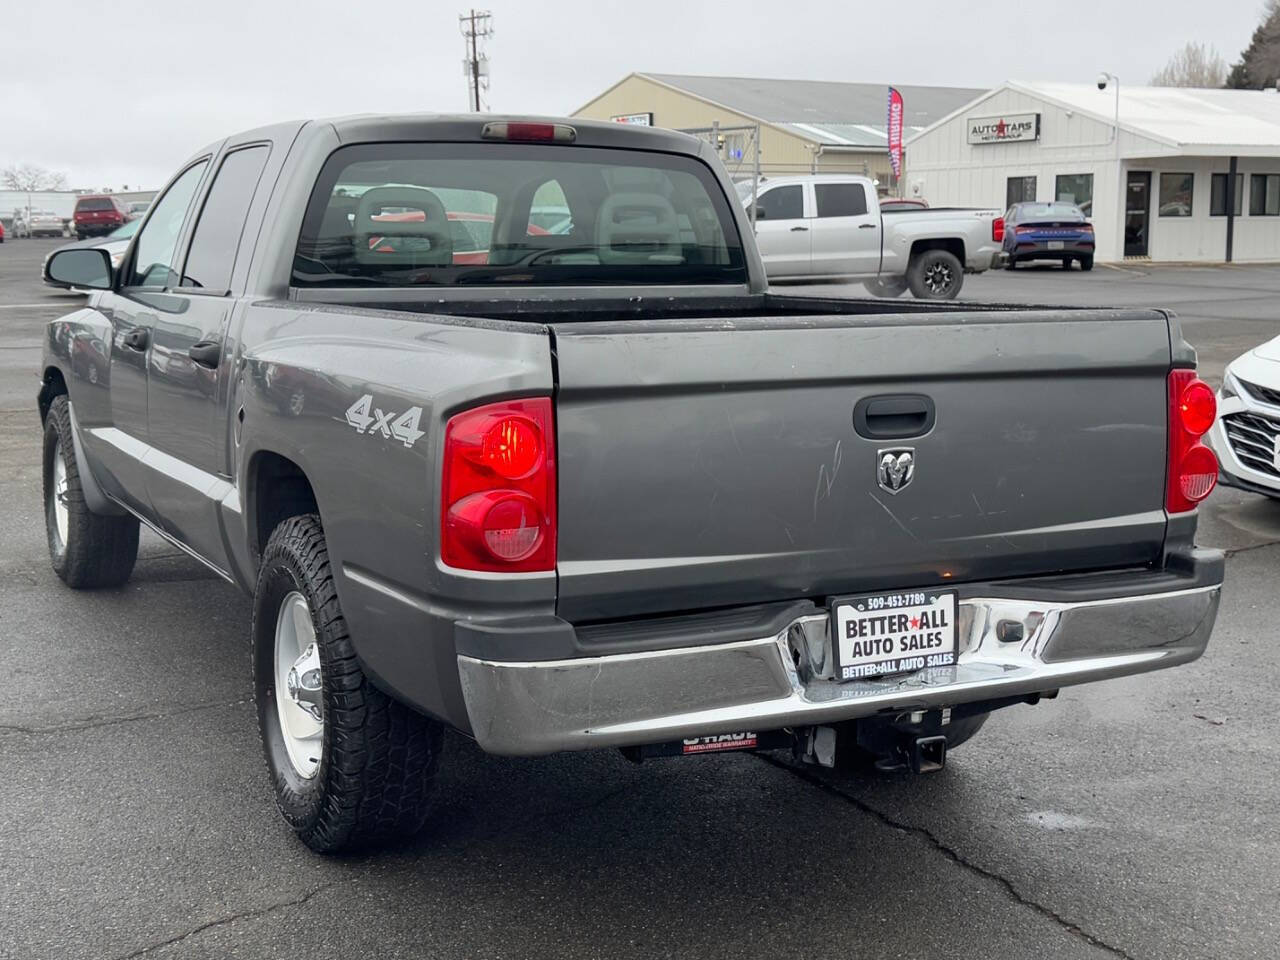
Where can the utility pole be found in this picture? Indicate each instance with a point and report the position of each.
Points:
(475, 26)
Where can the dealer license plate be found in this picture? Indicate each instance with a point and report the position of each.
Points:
(1055, 244)
(887, 633)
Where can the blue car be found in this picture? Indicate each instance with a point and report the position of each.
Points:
(1048, 231)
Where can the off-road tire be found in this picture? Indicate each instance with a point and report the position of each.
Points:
(886, 287)
(922, 263)
(1086, 263)
(851, 758)
(99, 551)
(378, 757)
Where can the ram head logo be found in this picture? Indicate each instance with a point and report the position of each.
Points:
(895, 468)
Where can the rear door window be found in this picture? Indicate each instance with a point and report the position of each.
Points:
(418, 214)
(841, 199)
(217, 234)
(154, 249)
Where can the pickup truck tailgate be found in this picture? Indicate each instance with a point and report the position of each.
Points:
(715, 463)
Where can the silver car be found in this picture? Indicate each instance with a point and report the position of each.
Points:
(44, 223)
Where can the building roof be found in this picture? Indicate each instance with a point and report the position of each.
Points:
(1188, 120)
(827, 112)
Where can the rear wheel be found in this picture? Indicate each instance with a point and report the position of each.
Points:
(350, 766)
(935, 275)
(85, 548)
(1086, 263)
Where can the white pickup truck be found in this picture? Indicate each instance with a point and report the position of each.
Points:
(822, 227)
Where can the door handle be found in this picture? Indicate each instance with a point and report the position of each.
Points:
(136, 339)
(866, 226)
(894, 416)
(207, 353)
(799, 229)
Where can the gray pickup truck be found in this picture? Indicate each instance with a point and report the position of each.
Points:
(499, 425)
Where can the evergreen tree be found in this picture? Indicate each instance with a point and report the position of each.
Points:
(1259, 64)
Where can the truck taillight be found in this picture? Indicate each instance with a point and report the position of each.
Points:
(498, 504)
(997, 230)
(1193, 469)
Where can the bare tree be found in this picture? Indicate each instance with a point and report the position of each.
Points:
(1195, 65)
(29, 178)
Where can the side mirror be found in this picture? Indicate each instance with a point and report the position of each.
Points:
(89, 269)
(760, 214)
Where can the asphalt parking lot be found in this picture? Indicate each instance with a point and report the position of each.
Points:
(1133, 819)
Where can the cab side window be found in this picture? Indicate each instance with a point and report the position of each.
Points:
(841, 199)
(217, 234)
(782, 203)
(158, 242)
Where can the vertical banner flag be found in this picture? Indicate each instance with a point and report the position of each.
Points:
(895, 132)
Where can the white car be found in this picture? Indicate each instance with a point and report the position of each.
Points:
(1246, 435)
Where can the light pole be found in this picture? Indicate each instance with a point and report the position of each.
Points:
(1103, 79)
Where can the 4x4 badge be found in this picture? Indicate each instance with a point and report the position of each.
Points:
(895, 467)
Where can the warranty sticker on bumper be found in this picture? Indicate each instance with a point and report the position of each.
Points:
(888, 633)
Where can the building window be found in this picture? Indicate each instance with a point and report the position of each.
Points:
(1019, 190)
(1176, 190)
(1264, 195)
(1075, 188)
(1218, 195)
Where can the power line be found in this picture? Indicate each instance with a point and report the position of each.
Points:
(476, 26)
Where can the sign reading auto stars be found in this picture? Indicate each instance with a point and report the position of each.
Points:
(1011, 128)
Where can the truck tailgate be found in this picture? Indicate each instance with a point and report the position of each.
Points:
(714, 463)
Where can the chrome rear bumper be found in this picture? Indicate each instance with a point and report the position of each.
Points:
(785, 680)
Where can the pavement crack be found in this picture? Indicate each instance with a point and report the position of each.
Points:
(89, 723)
(232, 918)
(1249, 549)
(954, 856)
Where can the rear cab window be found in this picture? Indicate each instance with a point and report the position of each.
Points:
(424, 214)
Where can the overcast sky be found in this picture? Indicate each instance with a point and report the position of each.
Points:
(120, 93)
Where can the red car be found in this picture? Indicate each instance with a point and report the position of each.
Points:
(97, 215)
(1, 231)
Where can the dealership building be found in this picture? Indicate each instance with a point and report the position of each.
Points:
(805, 126)
(1165, 173)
